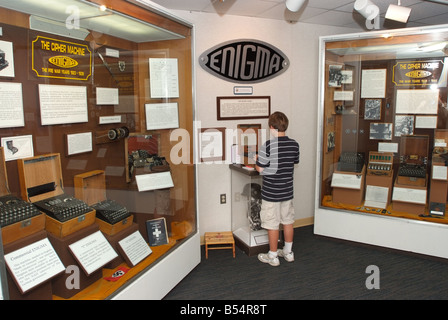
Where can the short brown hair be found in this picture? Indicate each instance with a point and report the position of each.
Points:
(278, 120)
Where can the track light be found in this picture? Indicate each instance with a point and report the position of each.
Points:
(398, 13)
(367, 9)
(294, 5)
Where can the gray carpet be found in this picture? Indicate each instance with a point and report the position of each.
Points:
(324, 269)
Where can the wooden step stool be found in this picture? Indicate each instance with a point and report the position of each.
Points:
(218, 240)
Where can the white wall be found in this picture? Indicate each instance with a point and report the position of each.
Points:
(294, 92)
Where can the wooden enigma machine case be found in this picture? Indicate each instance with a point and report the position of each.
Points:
(41, 184)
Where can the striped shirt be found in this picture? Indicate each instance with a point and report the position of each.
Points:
(277, 158)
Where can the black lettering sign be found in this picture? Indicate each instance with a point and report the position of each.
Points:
(244, 61)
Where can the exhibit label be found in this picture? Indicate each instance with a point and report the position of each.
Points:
(52, 58)
(244, 61)
(418, 73)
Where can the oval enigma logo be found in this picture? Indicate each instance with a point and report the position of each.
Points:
(244, 61)
(416, 74)
(63, 61)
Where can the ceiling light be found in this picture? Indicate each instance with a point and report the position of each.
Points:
(367, 9)
(398, 13)
(294, 5)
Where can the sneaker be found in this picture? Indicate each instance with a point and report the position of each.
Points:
(265, 258)
(288, 256)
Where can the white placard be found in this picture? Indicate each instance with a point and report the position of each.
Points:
(11, 105)
(154, 181)
(161, 116)
(349, 181)
(17, 147)
(409, 195)
(426, 122)
(417, 101)
(110, 119)
(388, 147)
(439, 172)
(164, 79)
(34, 264)
(93, 252)
(107, 96)
(373, 84)
(135, 247)
(79, 143)
(376, 196)
(343, 96)
(62, 104)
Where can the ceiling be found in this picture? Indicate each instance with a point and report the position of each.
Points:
(338, 13)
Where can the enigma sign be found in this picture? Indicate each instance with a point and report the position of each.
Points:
(244, 61)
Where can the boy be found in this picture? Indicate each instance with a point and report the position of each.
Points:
(275, 162)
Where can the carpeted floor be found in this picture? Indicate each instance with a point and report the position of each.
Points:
(324, 268)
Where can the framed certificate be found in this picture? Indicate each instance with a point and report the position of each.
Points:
(234, 108)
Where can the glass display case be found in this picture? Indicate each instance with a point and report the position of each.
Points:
(383, 148)
(246, 205)
(92, 94)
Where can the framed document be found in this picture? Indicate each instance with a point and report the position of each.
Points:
(234, 108)
(162, 116)
(212, 144)
(164, 79)
(373, 83)
(61, 104)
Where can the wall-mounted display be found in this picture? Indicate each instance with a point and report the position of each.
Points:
(377, 149)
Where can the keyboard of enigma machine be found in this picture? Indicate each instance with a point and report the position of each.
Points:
(410, 170)
(110, 211)
(63, 207)
(13, 209)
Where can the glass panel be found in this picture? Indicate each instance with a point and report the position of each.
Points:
(384, 114)
(82, 87)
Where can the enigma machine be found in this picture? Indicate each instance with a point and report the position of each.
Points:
(380, 163)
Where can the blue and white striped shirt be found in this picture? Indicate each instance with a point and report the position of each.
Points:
(277, 158)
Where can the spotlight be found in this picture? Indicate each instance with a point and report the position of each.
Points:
(294, 5)
(367, 9)
(398, 13)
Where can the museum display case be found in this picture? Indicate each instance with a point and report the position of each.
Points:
(96, 133)
(382, 155)
(246, 204)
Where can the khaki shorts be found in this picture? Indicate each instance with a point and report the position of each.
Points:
(273, 214)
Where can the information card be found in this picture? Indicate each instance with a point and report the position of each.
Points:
(93, 252)
(34, 264)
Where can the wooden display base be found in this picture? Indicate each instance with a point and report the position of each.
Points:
(63, 229)
(23, 229)
(219, 240)
(41, 292)
(61, 247)
(113, 229)
(349, 195)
